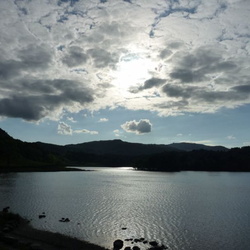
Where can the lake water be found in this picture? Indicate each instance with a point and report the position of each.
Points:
(185, 210)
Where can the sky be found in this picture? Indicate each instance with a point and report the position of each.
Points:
(148, 71)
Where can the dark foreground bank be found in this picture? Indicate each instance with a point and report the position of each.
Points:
(16, 233)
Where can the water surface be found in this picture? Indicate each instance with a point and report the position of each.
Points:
(185, 210)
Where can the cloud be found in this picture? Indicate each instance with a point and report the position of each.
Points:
(66, 55)
(71, 119)
(198, 65)
(86, 131)
(102, 58)
(148, 84)
(103, 120)
(64, 129)
(36, 99)
(117, 132)
(75, 57)
(29, 59)
(231, 137)
(141, 127)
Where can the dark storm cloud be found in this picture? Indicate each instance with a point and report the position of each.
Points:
(242, 89)
(33, 102)
(165, 53)
(197, 66)
(148, 84)
(141, 127)
(207, 95)
(178, 91)
(75, 57)
(102, 58)
(153, 82)
(28, 59)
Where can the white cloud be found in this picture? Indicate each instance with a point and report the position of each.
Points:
(117, 133)
(231, 137)
(64, 129)
(141, 127)
(71, 119)
(103, 120)
(86, 131)
(194, 56)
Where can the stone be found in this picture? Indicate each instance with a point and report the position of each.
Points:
(153, 243)
(118, 244)
(64, 220)
(135, 248)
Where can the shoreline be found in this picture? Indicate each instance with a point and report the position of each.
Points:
(17, 233)
(24, 169)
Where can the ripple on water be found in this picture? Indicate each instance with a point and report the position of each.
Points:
(182, 210)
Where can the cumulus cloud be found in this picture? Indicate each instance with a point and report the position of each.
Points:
(117, 132)
(141, 127)
(64, 129)
(86, 131)
(103, 120)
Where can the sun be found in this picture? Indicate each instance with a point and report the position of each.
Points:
(132, 69)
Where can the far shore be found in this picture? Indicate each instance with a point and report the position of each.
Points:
(39, 169)
(17, 233)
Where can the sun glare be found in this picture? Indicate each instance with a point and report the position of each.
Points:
(132, 69)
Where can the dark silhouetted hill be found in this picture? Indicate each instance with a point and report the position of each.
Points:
(184, 146)
(119, 147)
(16, 153)
(173, 157)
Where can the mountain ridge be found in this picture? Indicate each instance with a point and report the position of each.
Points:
(18, 155)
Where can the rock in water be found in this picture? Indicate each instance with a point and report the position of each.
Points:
(153, 243)
(136, 248)
(118, 244)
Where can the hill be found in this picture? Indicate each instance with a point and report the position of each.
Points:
(193, 146)
(15, 153)
(18, 155)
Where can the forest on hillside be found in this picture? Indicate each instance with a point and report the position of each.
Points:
(16, 155)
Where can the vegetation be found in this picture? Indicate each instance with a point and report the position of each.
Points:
(16, 155)
(236, 159)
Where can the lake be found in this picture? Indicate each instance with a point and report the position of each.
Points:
(183, 210)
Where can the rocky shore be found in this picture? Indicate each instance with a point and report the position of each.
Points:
(16, 233)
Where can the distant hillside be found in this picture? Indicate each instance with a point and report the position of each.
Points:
(193, 146)
(15, 153)
(4, 135)
(18, 155)
(119, 147)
